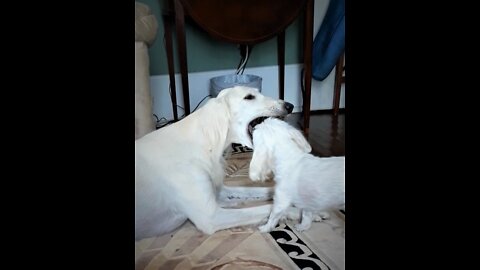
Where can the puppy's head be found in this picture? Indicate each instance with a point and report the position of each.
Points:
(278, 133)
(246, 104)
(274, 139)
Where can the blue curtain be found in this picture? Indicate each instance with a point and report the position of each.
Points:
(329, 43)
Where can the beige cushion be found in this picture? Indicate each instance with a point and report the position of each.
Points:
(146, 24)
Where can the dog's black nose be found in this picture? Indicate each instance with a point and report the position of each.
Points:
(288, 107)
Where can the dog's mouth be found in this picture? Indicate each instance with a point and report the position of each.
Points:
(259, 120)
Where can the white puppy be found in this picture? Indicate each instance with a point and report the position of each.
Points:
(180, 168)
(309, 183)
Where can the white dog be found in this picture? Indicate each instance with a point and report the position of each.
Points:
(180, 168)
(310, 183)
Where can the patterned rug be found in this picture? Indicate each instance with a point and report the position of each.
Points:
(320, 247)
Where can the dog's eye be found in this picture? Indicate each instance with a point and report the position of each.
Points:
(249, 96)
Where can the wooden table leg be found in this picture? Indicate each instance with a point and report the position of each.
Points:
(338, 85)
(167, 21)
(182, 53)
(281, 64)
(308, 41)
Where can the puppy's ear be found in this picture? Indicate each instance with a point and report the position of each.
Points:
(300, 140)
(259, 165)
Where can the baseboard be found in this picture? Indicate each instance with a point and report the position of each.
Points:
(328, 111)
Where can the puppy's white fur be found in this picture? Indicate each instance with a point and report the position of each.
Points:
(310, 183)
(180, 172)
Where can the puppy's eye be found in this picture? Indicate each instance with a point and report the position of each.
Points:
(249, 96)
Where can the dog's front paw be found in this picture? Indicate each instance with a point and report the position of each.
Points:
(302, 227)
(321, 216)
(265, 228)
(256, 176)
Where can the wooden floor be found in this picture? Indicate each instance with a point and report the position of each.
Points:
(327, 133)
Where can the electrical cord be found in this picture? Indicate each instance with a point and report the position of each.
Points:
(246, 61)
(240, 69)
(243, 61)
(242, 66)
(181, 117)
(201, 102)
(240, 63)
(159, 121)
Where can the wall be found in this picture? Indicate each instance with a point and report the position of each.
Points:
(207, 58)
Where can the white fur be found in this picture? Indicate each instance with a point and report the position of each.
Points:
(305, 181)
(180, 168)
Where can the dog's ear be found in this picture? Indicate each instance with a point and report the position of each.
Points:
(300, 140)
(259, 170)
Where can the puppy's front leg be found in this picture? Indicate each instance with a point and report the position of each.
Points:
(320, 216)
(306, 221)
(280, 205)
(294, 213)
(259, 169)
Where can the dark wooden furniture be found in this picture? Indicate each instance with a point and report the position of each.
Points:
(244, 22)
(339, 80)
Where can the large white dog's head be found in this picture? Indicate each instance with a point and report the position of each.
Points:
(246, 104)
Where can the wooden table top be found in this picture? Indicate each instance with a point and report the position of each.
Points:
(243, 21)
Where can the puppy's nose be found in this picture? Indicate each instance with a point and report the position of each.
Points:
(288, 107)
